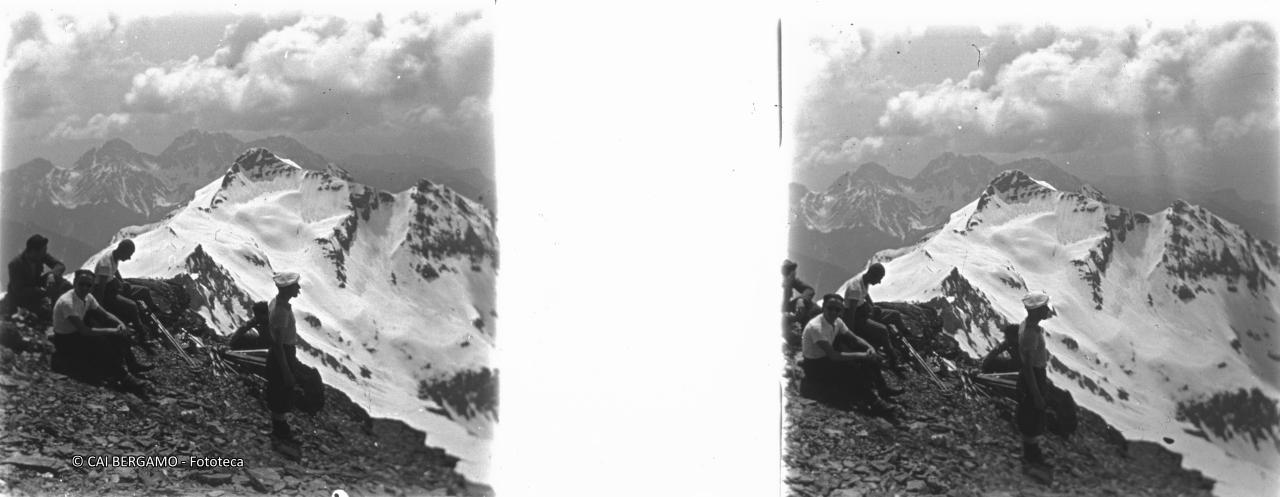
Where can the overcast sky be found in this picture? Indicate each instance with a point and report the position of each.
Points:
(1188, 106)
(396, 83)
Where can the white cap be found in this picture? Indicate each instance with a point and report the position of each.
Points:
(285, 279)
(1035, 300)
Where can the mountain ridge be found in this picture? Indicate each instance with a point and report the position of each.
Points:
(114, 185)
(397, 305)
(870, 209)
(1164, 320)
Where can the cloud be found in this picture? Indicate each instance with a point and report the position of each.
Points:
(1091, 91)
(50, 61)
(309, 73)
(98, 127)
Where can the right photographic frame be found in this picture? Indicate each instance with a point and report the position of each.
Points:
(1030, 259)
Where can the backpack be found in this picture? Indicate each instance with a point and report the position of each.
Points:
(308, 395)
(1061, 418)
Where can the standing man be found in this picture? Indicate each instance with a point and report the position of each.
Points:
(1033, 385)
(82, 350)
(852, 375)
(30, 287)
(282, 363)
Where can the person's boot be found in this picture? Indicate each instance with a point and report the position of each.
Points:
(883, 388)
(133, 385)
(282, 440)
(145, 343)
(1035, 465)
(132, 365)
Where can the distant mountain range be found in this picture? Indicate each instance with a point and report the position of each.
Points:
(1166, 322)
(871, 209)
(115, 185)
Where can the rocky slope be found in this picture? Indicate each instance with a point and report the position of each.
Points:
(959, 442)
(204, 411)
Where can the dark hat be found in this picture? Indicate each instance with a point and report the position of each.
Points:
(832, 300)
(37, 242)
(876, 270)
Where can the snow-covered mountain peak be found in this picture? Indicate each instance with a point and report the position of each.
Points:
(397, 308)
(257, 161)
(1014, 186)
(1166, 323)
(115, 154)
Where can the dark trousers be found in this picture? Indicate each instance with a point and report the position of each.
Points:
(1031, 421)
(841, 381)
(128, 309)
(877, 333)
(38, 300)
(137, 294)
(92, 358)
(999, 364)
(280, 396)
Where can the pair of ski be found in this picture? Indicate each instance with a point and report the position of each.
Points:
(919, 360)
(169, 338)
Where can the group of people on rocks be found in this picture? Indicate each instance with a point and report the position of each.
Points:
(846, 342)
(99, 317)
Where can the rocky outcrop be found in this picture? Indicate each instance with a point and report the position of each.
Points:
(204, 411)
(959, 442)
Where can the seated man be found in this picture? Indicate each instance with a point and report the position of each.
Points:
(253, 334)
(848, 376)
(122, 299)
(1004, 358)
(790, 284)
(802, 309)
(30, 287)
(86, 350)
(879, 326)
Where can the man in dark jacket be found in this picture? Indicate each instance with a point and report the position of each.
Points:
(1004, 358)
(791, 284)
(30, 287)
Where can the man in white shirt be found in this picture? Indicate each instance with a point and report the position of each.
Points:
(881, 327)
(1033, 385)
(119, 297)
(847, 375)
(93, 353)
(282, 362)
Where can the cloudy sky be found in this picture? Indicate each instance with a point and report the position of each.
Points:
(1183, 107)
(403, 83)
